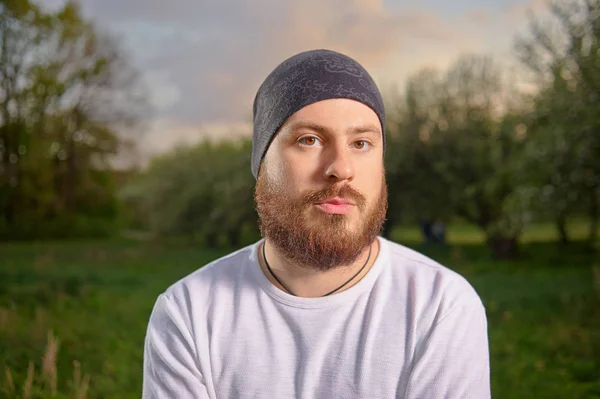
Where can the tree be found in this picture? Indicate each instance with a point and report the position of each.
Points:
(413, 196)
(459, 147)
(205, 191)
(66, 92)
(563, 52)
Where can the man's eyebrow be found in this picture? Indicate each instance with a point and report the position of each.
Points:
(308, 125)
(365, 129)
(368, 128)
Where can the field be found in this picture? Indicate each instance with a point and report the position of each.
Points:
(73, 314)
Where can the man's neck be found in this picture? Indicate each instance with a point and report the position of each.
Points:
(311, 283)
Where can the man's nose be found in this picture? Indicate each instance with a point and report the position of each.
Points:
(338, 165)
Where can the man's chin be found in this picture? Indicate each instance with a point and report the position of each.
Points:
(331, 225)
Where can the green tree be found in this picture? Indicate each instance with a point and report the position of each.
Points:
(563, 52)
(66, 92)
(205, 192)
(458, 149)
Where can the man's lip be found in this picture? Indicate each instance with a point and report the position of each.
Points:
(336, 201)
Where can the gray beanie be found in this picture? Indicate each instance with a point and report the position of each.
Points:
(304, 79)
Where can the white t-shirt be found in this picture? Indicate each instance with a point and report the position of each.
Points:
(410, 328)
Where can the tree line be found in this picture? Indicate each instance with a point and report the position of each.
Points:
(462, 143)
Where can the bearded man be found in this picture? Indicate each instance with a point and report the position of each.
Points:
(322, 306)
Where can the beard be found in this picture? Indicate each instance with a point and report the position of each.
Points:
(313, 239)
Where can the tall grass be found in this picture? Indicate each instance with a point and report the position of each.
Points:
(44, 384)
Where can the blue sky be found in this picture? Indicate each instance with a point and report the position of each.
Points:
(203, 60)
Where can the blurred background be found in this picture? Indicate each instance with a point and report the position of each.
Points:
(125, 165)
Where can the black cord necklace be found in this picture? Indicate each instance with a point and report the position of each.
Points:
(329, 293)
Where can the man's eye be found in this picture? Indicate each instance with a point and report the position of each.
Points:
(361, 144)
(309, 141)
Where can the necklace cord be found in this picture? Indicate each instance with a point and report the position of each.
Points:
(329, 293)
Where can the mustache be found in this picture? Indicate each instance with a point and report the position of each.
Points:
(345, 192)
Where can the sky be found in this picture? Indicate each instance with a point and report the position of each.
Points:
(202, 61)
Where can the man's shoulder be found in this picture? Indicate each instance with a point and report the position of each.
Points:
(429, 279)
(214, 276)
(418, 264)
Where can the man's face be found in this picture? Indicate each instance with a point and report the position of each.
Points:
(321, 193)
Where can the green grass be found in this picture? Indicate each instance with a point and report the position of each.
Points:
(96, 297)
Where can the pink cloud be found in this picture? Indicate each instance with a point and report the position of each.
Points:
(520, 10)
(219, 64)
(479, 16)
(364, 29)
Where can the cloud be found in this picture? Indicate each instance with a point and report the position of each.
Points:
(164, 93)
(479, 16)
(520, 11)
(165, 134)
(215, 54)
(204, 60)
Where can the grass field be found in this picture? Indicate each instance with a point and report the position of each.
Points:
(73, 315)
